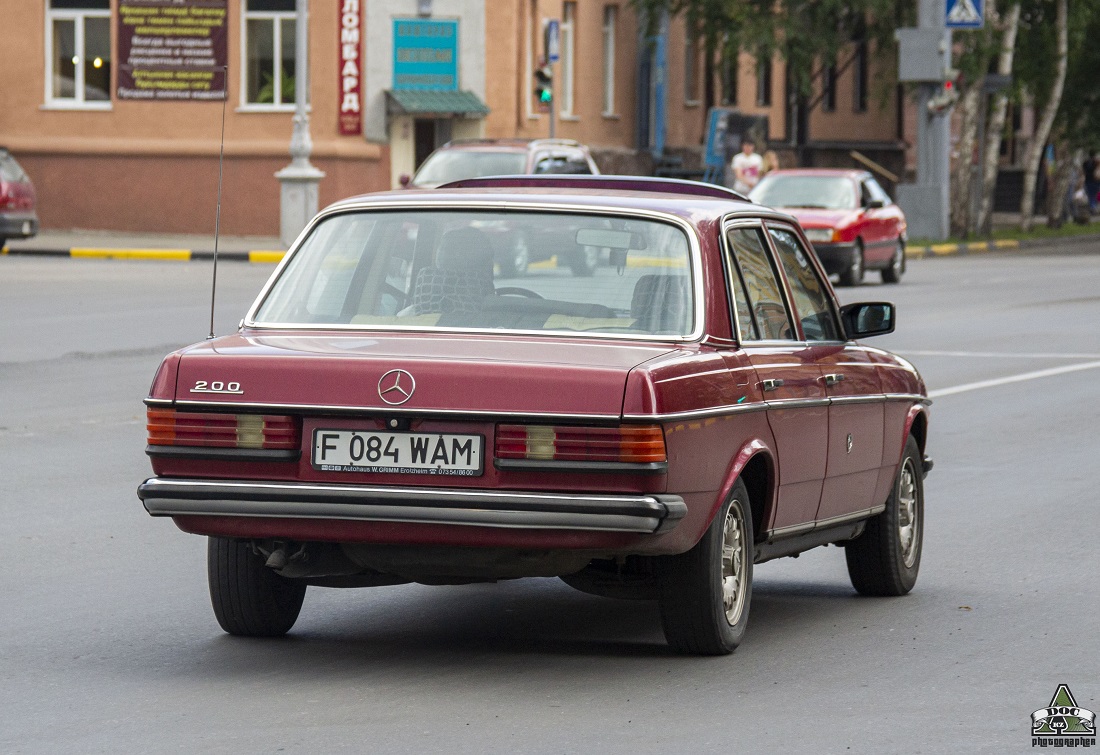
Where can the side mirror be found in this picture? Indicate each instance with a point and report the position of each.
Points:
(404, 180)
(866, 319)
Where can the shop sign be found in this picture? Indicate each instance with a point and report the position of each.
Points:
(351, 69)
(425, 54)
(172, 49)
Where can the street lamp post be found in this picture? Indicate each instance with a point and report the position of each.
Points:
(298, 196)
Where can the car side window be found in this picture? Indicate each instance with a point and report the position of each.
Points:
(760, 286)
(811, 297)
(877, 192)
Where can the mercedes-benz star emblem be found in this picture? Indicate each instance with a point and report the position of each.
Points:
(396, 387)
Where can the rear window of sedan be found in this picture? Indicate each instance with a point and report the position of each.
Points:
(450, 165)
(440, 270)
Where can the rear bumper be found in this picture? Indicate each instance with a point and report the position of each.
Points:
(643, 514)
(18, 225)
(835, 258)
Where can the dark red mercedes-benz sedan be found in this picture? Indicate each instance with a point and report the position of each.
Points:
(394, 410)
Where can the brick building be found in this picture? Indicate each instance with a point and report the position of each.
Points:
(115, 106)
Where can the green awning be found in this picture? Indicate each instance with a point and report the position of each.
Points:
(434, 102)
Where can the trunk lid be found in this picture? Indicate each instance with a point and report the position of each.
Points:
(444, 373)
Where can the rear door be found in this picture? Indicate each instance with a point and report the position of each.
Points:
(850, 380)
(788, 377)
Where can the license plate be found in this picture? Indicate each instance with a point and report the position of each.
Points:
(398, 453)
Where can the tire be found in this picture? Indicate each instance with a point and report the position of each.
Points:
(885, 559)
(584, 261)
(249, 599)
(516, 258)
(896, 269)
(705, 593)
(853, 274)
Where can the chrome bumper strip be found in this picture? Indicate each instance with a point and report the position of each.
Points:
(646, 513)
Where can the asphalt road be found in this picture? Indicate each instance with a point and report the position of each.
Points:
(108, 643)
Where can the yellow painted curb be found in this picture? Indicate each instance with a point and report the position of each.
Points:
(944, 248)
(978, 246)
(1007, 243)
(262, 256)
(133, 254)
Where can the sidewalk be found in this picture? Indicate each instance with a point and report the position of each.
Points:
(123, 245)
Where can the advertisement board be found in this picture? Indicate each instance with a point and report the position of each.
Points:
(172, 49)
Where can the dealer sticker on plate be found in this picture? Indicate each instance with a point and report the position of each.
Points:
(397, 453)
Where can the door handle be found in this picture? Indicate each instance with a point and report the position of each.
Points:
(834, 378)
(770, 384)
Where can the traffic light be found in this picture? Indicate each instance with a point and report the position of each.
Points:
(544, 85)
(948, 93)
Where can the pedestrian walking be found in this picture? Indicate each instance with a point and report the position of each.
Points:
(1091, 169)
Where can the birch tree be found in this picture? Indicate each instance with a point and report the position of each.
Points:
(1046, 121)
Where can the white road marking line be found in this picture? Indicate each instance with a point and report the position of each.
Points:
(1013, 379)
(998, 354)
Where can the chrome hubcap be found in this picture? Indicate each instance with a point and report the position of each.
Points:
(908, 522)
(734, 563)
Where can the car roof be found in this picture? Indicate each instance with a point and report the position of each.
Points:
(852, 173)
(510, 144)
(689, 200)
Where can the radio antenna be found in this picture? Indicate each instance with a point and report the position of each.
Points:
(218, 213)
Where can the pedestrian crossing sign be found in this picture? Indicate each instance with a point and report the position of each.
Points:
(965, 14)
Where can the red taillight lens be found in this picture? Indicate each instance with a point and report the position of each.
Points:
(168, 427)
(628, 443)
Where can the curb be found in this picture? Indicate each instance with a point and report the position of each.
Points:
(261, 256)
(1003, 245)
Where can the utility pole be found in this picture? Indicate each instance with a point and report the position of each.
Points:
(298, 196)
(925, 58)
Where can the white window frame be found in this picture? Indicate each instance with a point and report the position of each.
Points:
(77, 101)
(610, 24)
(529, 74)
(276, 17)
(568, 58)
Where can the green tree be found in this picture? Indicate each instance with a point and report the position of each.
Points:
(809, 35)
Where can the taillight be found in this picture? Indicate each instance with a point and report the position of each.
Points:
(168, 427)
(627, 443)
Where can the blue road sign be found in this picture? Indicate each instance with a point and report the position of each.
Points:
(965, 14)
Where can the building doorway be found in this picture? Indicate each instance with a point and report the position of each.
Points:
(428, 134)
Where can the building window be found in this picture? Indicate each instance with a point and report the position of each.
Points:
(764, 83)
(859, 72)
(610, 21)
(691, 66)
(828, 88)
(267, 49)
(78, 53)
(568, 23)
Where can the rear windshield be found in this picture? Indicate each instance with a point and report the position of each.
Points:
(496, 271)
(819, 192)
(10, 170)
(457, 165)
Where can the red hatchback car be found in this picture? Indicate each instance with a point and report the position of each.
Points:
(18, 219)
(391, 412)
(849, 218)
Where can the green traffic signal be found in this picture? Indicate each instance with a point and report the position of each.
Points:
(545, 95)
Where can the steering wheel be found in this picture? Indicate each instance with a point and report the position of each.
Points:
(517, 291)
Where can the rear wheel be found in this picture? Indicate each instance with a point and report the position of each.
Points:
(885, 559)
(516, 258)
(584, 261)
(853, 274)
(893, 273)
(249, 599)
(705, 593)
